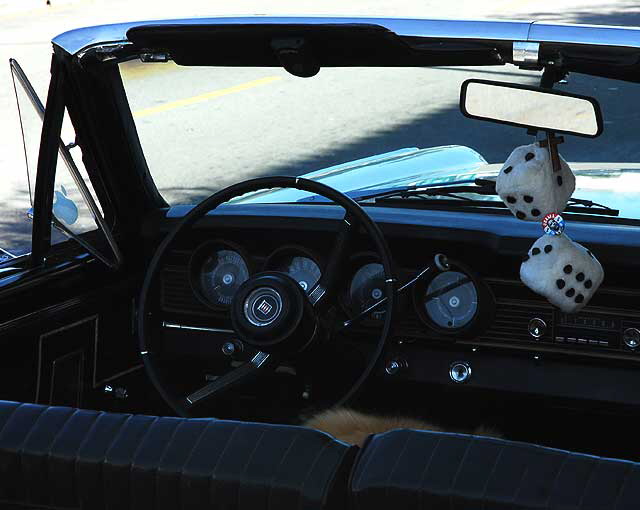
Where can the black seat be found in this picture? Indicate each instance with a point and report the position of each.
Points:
(69, 458)
(411, 469)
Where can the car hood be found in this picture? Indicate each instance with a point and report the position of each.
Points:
(388, 171)
(615, 185)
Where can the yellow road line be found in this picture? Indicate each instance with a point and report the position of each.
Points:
(204, 97)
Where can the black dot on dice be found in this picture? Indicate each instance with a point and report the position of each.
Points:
(579, 298)
(529, 156)
(535, 251)
(512, 200)
(560, 283)
(568, 268)
(535, 212)
(508, 169)
(559, 179)
(588, 284)
(548, 248)
(528, 199)
(520, 215)
(525, 258)
(580, 277)
(570, 292)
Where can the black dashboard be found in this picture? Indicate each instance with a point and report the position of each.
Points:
(476, 326)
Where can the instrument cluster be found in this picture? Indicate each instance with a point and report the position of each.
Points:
(447, 303)
(217, 269)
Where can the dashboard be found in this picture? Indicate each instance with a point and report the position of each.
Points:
(475, 326)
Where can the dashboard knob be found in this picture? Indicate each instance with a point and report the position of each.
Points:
(537, 327)
(395, 365)
(231, 348)
(460, 371)
(631, 338)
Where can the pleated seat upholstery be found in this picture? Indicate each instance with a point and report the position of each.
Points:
(69, 458)
(412, 470)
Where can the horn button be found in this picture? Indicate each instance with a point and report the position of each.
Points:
(271, 312)
(263, 306)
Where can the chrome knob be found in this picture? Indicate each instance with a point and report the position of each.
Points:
(231, 348)
(395, 365)
(631, 338)
(537, 327)
(460, 371)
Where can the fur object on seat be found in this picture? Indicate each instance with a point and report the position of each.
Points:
(354, 427)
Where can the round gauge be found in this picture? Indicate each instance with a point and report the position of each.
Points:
(302, 269)
(367, 287)
(451, 300)
(222, 274)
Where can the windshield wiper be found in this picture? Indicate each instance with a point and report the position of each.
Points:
(486, 187)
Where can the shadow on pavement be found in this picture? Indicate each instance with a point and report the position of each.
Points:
(447, 126)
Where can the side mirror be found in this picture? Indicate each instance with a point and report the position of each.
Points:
(531, 107)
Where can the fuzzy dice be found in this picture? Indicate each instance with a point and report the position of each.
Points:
(528, 185)
(564, 272)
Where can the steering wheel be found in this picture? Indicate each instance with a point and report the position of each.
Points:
(270, 311)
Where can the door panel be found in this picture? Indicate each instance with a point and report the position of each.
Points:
(63, 339)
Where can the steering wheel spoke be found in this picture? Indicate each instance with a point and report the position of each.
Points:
(260, 362)
(326, 287)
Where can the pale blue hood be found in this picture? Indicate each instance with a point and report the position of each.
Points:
(392, 170)
(616, 185)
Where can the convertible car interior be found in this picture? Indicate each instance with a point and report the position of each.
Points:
(239, 223)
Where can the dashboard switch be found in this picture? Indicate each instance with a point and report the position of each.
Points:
(460, 371)
(232, 347)
(537, 328)
(631, 338)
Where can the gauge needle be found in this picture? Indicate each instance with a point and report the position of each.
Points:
(446, 288)
(448, 310)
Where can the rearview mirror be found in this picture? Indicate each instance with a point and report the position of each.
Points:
(531, 107)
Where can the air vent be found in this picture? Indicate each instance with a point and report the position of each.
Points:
(512, 319)
(177, 295)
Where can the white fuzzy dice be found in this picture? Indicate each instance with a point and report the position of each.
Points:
(564, 272)
(528, 185)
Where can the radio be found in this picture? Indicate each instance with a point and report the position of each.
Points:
(589, 330)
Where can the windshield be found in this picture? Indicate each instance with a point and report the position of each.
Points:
(203, 128)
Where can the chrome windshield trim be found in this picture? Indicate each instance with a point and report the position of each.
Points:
(77, 40)
(525, 52)
(596, 35)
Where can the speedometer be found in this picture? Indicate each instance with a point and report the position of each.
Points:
(222, 272)
(367, 288)
(302, 269)
(451, 300)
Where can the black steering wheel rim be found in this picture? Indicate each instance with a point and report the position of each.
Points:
(353, 210)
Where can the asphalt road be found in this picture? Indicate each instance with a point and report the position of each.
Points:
(205, 128)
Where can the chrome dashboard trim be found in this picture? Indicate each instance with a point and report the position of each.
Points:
(171, 325)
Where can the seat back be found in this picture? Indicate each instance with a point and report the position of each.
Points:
(412, 469)
(69, 458)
